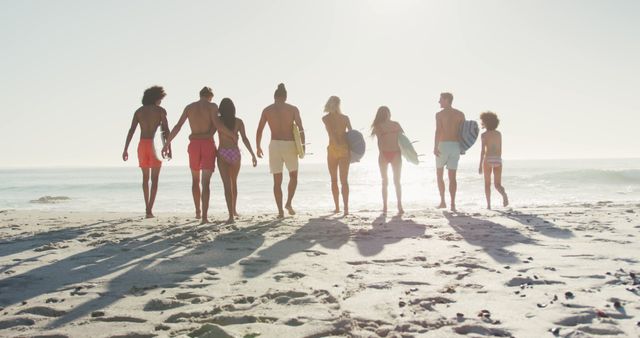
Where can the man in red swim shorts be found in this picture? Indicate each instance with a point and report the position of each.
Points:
(150, 116)
(204, 121)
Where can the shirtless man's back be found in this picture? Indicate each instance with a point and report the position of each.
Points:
(199, 114)
(280, 117)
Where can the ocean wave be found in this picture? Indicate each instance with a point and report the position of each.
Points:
(593, 176)
(50, 199)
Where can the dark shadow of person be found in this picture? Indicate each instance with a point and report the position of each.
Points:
(372, 241)
(492, 237)
(225, 250)
(150, 259)
(17, 244)
(539, 224)
(328, 233)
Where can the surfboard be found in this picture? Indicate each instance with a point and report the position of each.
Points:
(298, 141)
(468, 135)
(357, 146)
(407, 150)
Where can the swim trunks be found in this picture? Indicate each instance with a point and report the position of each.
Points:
(390, 156)
(147, 154)
(449, 155)
(282, 153)
(202, 154)
(337, 152)
(229, 155)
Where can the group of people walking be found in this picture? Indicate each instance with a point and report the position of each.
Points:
(206, 119)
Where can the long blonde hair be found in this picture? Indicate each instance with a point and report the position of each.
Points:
(383, 114)
(333, 105)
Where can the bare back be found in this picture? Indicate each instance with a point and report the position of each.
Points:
(337, 125)
(448, 123)
(226, 141)
(492, 140)
(387, 133)
(200, 115)
(280, 117)
(149, 117)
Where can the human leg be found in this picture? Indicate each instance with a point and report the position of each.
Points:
(343, 165)
(206, 192)
(332, 164)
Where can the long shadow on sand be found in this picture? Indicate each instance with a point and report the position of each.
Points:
(226, 249)
(153, 259)
(539, 224)
(492, 237)
(17, 244)
(329, 233)
(372, 241)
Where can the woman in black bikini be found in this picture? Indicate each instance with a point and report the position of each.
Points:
(229, 155)
(387, 133)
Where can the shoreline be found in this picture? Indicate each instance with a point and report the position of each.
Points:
(428, 273)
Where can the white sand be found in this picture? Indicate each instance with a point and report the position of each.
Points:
(106, 274)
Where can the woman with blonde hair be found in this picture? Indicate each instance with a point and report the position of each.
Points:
(387, 132)
(338, 155)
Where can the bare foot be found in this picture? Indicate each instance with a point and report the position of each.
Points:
(505, 200)
(346, 212)
(290, 209)
(400, 211)
(149, 215)
(231, 220)
(442, 205)
(384, 210)
(204, 221)
(281, 214)
(488, 207)
(198, 214)
(336, 211)
(453, 208)
(235, 213)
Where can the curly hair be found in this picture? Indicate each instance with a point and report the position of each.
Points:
(490, 120)
(153, 95)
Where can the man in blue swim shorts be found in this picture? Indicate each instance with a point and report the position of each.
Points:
(447, 146)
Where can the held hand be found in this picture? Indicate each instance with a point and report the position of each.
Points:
(254, 161)
(125, 155)
(259, 152)
(166, 152)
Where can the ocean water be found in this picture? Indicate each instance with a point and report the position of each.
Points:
(528, 183)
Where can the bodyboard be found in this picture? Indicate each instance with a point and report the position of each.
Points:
(357, 146)
(468, 135)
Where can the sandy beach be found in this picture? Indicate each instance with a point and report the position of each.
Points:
(521, 273)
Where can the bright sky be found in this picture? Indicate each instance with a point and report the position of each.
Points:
(563, 76)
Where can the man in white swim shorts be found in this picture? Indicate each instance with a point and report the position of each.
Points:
(282, 149)
(447, 146)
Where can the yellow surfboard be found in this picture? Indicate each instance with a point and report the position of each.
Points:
(298, 141)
